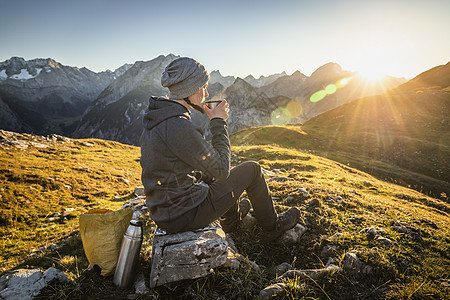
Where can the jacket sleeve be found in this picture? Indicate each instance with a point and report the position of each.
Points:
(186, 141)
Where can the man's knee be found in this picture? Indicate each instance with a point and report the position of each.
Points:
(254, 165)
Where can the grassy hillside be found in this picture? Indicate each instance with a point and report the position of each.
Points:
(35, 185)
(46, 183)
(437, 78)
(399, 137)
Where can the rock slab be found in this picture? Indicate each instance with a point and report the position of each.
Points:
(186, 255)
(25, 284)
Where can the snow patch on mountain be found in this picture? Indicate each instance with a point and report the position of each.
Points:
(25, 75)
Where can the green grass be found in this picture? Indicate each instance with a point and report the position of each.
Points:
(36, 183)
(409, 268)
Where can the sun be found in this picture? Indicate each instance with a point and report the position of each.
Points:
(372, 62)
(372, 72)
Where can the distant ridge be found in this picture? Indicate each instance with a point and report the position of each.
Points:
(402, 135)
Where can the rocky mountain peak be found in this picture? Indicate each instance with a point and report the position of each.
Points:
(241, 93)
(297, 74)
(53, 63)
(17, 68)
(329, 69)
(327, 73)
(250, 78)
(263, 80)
(15, 60)
(217, 77)
(240, 83)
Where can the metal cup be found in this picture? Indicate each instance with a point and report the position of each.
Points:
(212, 103)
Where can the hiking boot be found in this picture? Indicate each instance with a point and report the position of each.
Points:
(230, 226)
(285, 221)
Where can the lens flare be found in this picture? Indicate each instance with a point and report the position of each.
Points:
(280, 116)
(294, 109)
(317, 96)
(343, 82)
(330, 89)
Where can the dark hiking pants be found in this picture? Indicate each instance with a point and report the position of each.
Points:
(222, 201)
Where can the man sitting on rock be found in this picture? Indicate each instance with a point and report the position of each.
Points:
(173, 148)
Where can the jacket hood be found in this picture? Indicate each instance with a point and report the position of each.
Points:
(161, 109)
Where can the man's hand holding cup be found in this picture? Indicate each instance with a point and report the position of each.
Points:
(217, 109)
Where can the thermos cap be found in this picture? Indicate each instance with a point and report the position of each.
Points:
(136, 223)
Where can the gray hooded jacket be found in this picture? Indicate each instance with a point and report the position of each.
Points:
(171, 149)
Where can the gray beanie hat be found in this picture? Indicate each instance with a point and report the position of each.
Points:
(183, 77)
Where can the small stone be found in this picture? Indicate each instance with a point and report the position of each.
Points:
(56, 214)
(372, 232)
(328, 250)
(280, 179)
(53, 247)
(428, 223)
(330, 261)
(267, 172)
(282, 268)
(289, 200)
(140, 286)
(44, 225)
(271, 291)
(313, 274)
(232, 263)
(313, 203)
(50, 219)
(293, 235)
(124, 180)
(353, 264)
(384, 240)
(304, 191)
(69, 209)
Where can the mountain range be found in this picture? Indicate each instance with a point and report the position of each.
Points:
(43, 96)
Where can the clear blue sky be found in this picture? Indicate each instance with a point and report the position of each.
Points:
(398, 37)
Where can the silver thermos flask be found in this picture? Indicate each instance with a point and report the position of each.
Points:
(129, 255)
